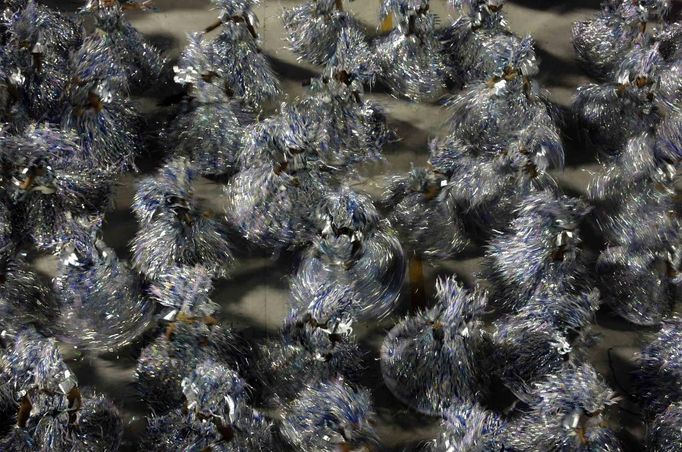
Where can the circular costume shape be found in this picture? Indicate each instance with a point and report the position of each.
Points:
(330, 416)
(437, 358)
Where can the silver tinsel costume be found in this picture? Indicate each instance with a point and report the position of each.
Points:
(503, 140)
(638, 213)
(50, 182)
(548, 334)
(611, 113)
(283, 173)
(424, 211)
(353, 249)
(314, 29)
(659, 377)
(472, 43)
(174, 232)
(243, 67)
(540, 247)
(355, 128)
(664, 433)
(141, 62)
(328, 417)
(209, 130)
(568, 414)
(488, 113)
(469, 428)
(216, 416)
(316, 344)
(436, 359)
(410, 55)
(96, 107)
(602, 42)
(39, 42)
(191, 336)
(101, 306)
(24, 298)
(52, 412)
(14, 112)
